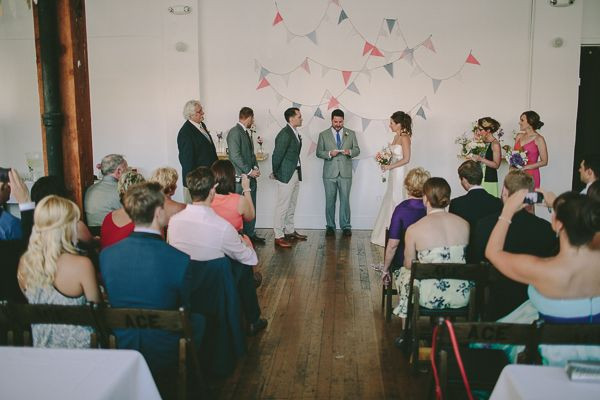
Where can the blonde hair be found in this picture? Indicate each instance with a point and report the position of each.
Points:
(54, 233)
(414, 181)
(167, 178)
(127, 180)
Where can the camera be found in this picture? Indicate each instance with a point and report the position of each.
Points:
(4, 174)
(238, 179)
(533, 198)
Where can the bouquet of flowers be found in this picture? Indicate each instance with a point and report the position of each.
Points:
(516, 158)
(383, 157)
(260, 142)
(470, 146)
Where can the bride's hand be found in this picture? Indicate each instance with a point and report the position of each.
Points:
(385, 168)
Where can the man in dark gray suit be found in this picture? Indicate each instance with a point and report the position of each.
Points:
(241, 154)
(288, 174)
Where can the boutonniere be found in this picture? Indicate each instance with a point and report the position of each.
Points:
(345, 133)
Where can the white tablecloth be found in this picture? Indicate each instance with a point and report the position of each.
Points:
(540, 382)
(35, 373)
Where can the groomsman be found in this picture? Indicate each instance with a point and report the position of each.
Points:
(241, 154)
(337, 146)
(288, 173)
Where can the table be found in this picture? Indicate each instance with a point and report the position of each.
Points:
(259, 156)
(541, 382)
(36, 373)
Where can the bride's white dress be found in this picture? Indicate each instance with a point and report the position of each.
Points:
(393, 196)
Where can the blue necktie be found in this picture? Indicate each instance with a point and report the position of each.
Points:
(338, 140)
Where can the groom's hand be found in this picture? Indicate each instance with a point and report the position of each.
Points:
(347, 152)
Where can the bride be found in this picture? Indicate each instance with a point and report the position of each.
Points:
(401, 125)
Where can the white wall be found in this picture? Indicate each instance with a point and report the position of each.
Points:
(590, 33)
(139, 83)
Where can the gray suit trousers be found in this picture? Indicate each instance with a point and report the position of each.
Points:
(332, 186)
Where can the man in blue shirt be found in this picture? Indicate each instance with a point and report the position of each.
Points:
(10, 226)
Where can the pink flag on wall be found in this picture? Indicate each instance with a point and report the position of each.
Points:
(263, 84)
(429, 44)
(346, 75)
(367, 48)
(333, 102)
(278, 19)
(472, 60)
(305, 65)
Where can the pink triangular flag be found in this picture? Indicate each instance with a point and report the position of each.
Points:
(472, 60)
(305, 65)
(346, 75)
(368, 47)
(375, 52)
(429, 44)
(263, 83)
(278, 19)
(333, 102)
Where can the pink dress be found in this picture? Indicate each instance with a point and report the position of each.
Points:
(226, 206)
(533, 153)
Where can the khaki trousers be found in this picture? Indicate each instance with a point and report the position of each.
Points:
(285, 208)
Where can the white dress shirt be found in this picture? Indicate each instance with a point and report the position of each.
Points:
(199, 232)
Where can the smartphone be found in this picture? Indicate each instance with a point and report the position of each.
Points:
(4, 174)
(238, 179)
(533, 198)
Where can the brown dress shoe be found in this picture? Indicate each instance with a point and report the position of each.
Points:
(281, 242)
(296, 236)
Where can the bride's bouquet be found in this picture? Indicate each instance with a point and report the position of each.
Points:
(383, 157)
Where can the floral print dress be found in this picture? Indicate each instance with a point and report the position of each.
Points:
(435, 293)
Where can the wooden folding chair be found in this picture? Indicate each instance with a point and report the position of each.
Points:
(419, 271)
(176, 321)
(22, 316)
(388, 292)
(5, 329)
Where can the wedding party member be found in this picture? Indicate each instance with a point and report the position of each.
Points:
(167, 178)
(241, 154)
(337, 146)
(589, 170)
(195, 145)
(102, 197)
(530, 141)
(486, 127)
(287, 172)
(401, 126)
(52, 272)
(406, 213)
(564, 288)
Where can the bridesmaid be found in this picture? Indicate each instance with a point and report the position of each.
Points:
(486, 127)
(533, 144)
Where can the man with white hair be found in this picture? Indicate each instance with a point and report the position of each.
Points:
(196, 146)
(102, 197)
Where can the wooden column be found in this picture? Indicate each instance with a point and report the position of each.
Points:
(73, 88)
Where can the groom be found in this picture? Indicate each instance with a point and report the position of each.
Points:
(337, 146)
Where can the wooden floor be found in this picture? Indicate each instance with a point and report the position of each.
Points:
(326, 338)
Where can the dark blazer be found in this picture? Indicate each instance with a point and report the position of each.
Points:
(241, 150)
(474, 205)
(285, 154)
(194, 149)
(142, 271)
(527, 234)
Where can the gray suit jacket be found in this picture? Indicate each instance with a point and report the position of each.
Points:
(285, 154)
(241, 150)
(340, 164)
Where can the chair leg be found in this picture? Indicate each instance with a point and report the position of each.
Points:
(383, 297)
(182, 372)
(388, 303)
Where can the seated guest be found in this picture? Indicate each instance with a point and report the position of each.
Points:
(477, 203)
(201, 233)
(167, 177)
(594, 191)
(589, 170)
(405, 214)
(142, 271)
(117, 225)
(564, 288)
(52, 272)
(102, 197)
(10, 226)
(527, 234)
(439, 237)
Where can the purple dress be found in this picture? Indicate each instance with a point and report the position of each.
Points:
(406, 213)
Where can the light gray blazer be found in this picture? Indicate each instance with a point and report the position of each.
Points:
(340, 164)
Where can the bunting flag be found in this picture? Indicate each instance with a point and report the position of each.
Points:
(472, 60)
(390, 24)
(278, 19)
(263, 84)
(324, 70)
(436, 84)
(346, 75)
(297, 105)
(355, 164)
(367, 48)
(318, 113)
(263, 72)
(312, 148)
(365, 123)
(416, 71)
(429, 44)
(305, 65)
(333, 102)
(390, 69)
(353, 88)
(343, 16)
(313, 37)
(407, 55)
(376, 53)
(421, 113)
(425, 103)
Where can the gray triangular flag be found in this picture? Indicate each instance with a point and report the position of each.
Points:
(436, 84)
(390, 69)
(324, 70)
(365, 123)
(352, 87)
(421, 113)
(407, 54)
(264, 72)
(390, 23)
(297, 105)
(343, 16)
(312, 36)
(318, 113)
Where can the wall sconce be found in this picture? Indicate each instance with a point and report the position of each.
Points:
(180, 10)
(562, 3)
